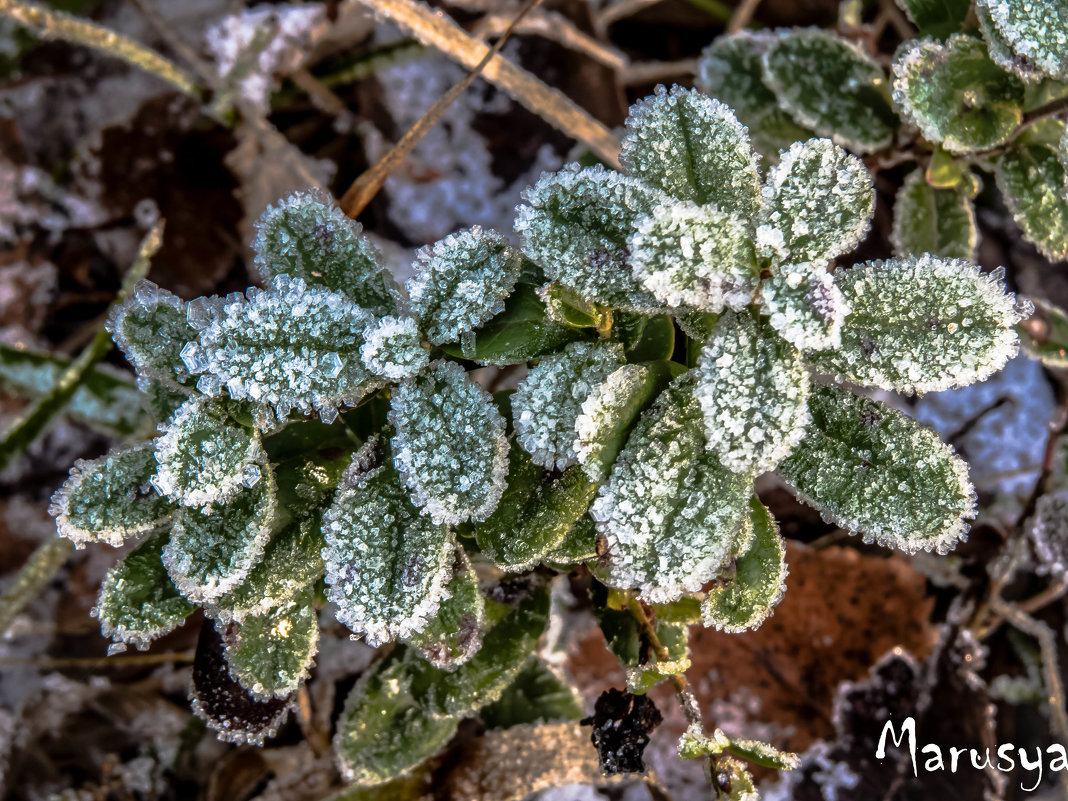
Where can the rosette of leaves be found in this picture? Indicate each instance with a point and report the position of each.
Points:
(322, 439)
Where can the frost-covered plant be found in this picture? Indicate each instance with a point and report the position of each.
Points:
(973, 92)
(322, 441)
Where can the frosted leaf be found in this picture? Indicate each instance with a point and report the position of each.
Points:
(936, 17)
(669, 509)
(1049, 533)
(110, 499)
(644, 675)
(694, 148)
(224, 705)
(393, 349)
(160, 400)
(450, 445)
(270, 654)
(455, 633)
(564, 306)
(151, 329)
(731, 70)
(290, 346)
(579, 545)
(745, 601)
(1031, 178)
(461, 282)
(956, 95)
(832, 86)
(506, 647)
(765, 754)
(933, 220)
(549, 399)
(878, 473)
(805, 306)
(386, 564)
(536, 696)
(752, 387)
(384, 730)
(205, 457)
(818, 203)
(307, 236)
(1036, 31)
(138, 602)
(923, 325)
(535, 514)
(211, 552)
(694, 256)
(576, 226)
(606, 416)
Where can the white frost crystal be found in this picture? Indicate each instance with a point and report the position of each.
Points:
(387, 565)
(205, 457)
(393, 349)
(1035, 30)
(461, 282)
(212, 551)
(668, 512)
(694, 256)
(576, 224)
(694, 148)
(450, 445)
(110, 499)
(923, 325)
(289, 346)
(752, 386)
(805, 306)
(876, 472)
(599, 415)
(1049, 532)
(548, 401)
(818, 203)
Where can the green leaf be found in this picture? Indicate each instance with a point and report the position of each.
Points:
(746, 600)
(505, 650)
(937, 17)
(212, 550)
(1033, 31)
(536, 696)
(523, 331)
(307, 236)
(1001, 52)
(608, 414)
(393, 348)
(805, 306)
(110, 499)
(923, 325)
(694, 257)
(579, 545)
(535, 514)
(832, 86)
(870, 469)
(150, 328)
(138, 602)
(450, 445)
(549, 400)
(764, 754)
(205, 457)
(575, 224)
(936, 221)
(1045, 335)
(106, 400)
(1032, 180)
(387, 566)
(818, 204)
(290, 346)
(695, 743)
(455, 633)
(752, 387)
(461, 282)
(956, 95)
(384, 730)
(731, 70)
(271, 653)
(160, 400)
(645, 339)
(564, 306)
(732, 773)
(694, 148)
(669, 511)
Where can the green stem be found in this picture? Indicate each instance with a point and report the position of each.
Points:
(29, 425)
(42, 565)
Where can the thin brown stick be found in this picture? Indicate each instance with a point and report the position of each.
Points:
(367, 185)
(126, 660)
(557, 28)
(741, 16)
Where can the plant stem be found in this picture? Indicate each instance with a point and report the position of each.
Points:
(741, 16)
(58, 25)
(39, 569)
(31, 423)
